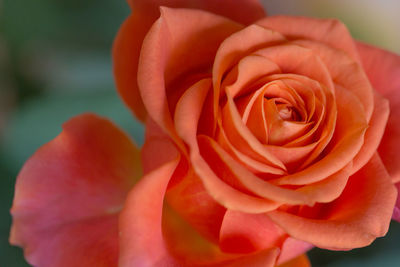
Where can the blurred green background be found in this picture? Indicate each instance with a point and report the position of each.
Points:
(55, 63)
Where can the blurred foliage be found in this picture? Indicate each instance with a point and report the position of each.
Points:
(55, 63)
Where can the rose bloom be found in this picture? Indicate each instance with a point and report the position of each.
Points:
(265, 136)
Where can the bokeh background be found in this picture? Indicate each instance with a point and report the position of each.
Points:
(55, 63)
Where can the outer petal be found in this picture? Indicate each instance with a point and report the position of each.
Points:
(180, 42)
(125, 53)
(245, 233)
(69, 193)
(245, 11)
(300, 261)
(328, 31)
(396, 213)
(293, 248)
(383, 70)
(141, 241)
(361, 214)
(128, 43)
(153, 236)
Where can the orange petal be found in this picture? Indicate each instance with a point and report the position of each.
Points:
(265, 258)
(239, 177)
(237, 46)
(396, 213)
(300, 261)
(339, 64)
(141, 240)
(361, 214)
(314, 29)
(191, 249)
(246, 12)
(152, 235)
(292, 248)
(69, 193)
(383, 70)
(187, 115)
(251, 164)
(246, 72)
(241, 137)
(374, 133)
(246, 233)
(295, 59)
(156, 143)
(180, 41)
(128, 42)
(125, 53)
(345, 144)
(192, 202)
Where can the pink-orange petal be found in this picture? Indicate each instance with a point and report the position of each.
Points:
(246, 12)
(328, 31)
(361, 214)
(383, 70)
(180, 41)
(69, 193)
(300, 261)
(152, 235)
(237, 46)
(158, 143)
(245, 233)
(187, 115)
(125, 53)
(292, 248)
(396, 212)
(340, 65)
(140, 224)
(192, 202)
(345, 144)
(374, 133)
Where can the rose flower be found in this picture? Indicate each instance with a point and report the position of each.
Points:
(265, 136)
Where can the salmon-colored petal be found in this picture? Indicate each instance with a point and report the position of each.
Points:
(329, 31)
(125, 53)
(265, 258)
(246, 12)
(292, 157)
(186, 125)
(339, 64)
(292, 248)
(179, 42)
(129, 39)
(383, 70)
(69, 193)
(186, 244)
(361, 214)
(246, 233)
(251, 164)
(374, 133)
(157, 142)
(246, 72)
(239, 177)
(237, 46)
(140, 224)
(396, 213)
(151, 234)
(345, 144)
(282, 131)
(295, 59)
(300, 261)
(239, 134)
(255, 117)
(192, 202)
(191, 249)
